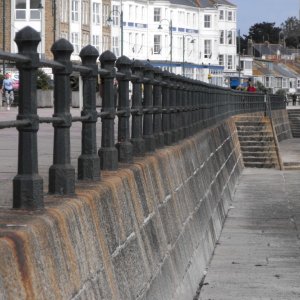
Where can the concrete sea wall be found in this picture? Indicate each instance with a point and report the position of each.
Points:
(146, 231)
(281, 124)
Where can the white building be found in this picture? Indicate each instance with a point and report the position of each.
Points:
(79, 21)
(197, 38)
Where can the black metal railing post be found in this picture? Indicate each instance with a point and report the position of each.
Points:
(166, 108)
(148, 108)
(27, 184)
(89, 161)
(124, 146)
(62, 173)
(108, 152)
(157, 103)
(173, 108)
(193, 100)
(196, 93)
(180, 107)
(186, 107)
(137, 110)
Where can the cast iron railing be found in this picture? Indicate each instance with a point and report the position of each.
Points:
(166, 108)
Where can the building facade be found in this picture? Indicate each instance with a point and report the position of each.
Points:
(79, 21)
(193, 38)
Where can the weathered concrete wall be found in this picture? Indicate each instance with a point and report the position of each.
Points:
(146, 231)
(281, 124)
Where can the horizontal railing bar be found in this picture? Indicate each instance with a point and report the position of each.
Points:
(54, 120)
(9, 124)
(81, 69)
(103, 72)
(103, 114)
(79, 119)
(13, 56)
(51, 64)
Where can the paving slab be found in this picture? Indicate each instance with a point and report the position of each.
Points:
(258, 253)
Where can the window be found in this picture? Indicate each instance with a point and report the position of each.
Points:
(20, 4)
(96, 13)
(136, 42)
(130, 39)
(35, 12)
(298, 83)
(157, 44)
(143, 13)
(221, 15)
(85, 13)
(20, 9)
(229, 37)
(105, 41)
(284, 83)
(96, 42)
(278, 82)
(85, 39)
(115, 46)
(188, 19)
(64, 35)
(207, 49)
(157, 14)
(130, 15)
(142, 44)
(221, 36)
(229, 15)
(207, 21)
(75, 10)
(268, 84)
(221, 59)
(75, 42)
(248, 65)
(105, 12)
(64, 11)
(229, 62)
(116, 15)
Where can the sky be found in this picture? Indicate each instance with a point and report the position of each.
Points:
(258, 11)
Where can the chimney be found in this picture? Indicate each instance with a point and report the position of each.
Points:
(250, 47)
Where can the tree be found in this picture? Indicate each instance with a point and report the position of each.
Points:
(290, 33)
(261, 32)
(43, 80)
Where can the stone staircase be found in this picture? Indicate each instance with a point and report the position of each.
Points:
(294, 118)
(257, 142)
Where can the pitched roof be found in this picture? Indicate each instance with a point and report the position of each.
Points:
(203, 3)
(271, 49)
(270, 68)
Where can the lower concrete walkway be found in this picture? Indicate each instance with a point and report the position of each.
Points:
(258, 253)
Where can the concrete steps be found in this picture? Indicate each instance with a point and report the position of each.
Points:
(257, 142)
(292, 165)
(294, 118)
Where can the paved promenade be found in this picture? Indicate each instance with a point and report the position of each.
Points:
(258, 254)
(9, 150)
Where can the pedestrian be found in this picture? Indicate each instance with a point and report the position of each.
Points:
(294, 98)
(7, 90)
(251, 88)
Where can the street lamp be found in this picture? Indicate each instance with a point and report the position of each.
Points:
(171, 38)
(109, 20)
(4, 30)
(183, 50)
(40, 8)
(239, 49)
